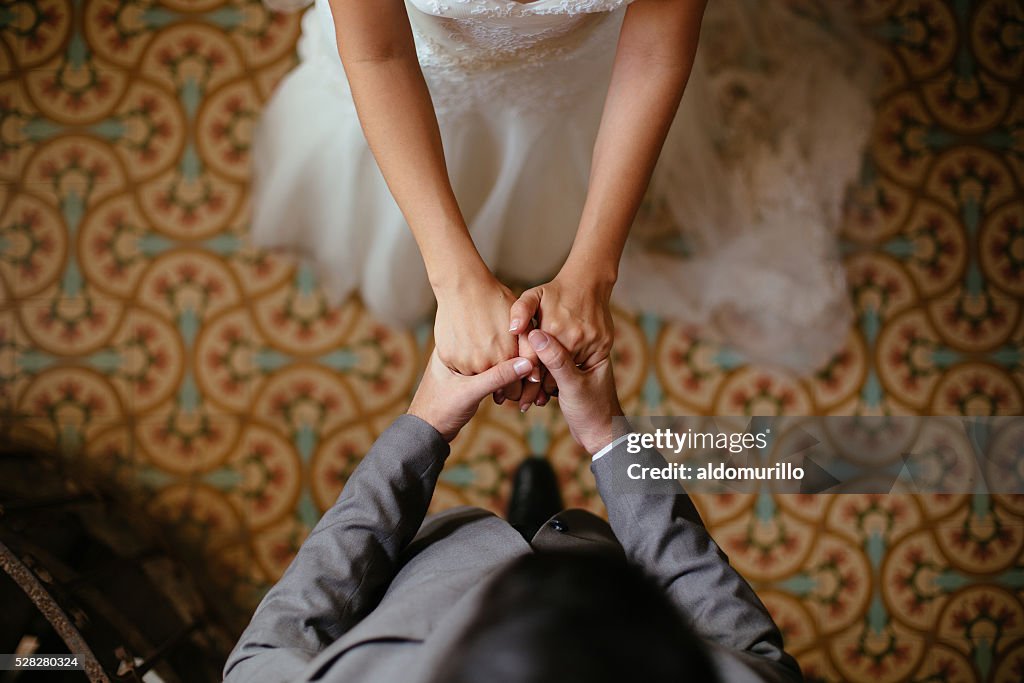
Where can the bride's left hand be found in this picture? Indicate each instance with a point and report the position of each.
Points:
(574, 310)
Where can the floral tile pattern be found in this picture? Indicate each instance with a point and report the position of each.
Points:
(138, 329)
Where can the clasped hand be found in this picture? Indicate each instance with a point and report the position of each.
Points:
(480, 323)
(447, 400)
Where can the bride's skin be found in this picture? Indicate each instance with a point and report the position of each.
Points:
(479, 322)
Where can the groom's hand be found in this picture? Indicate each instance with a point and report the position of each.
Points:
(587, 396)
(447, 400)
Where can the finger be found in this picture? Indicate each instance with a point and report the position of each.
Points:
(555, 358)
(527, 352)
(530, 393)
(501, 376)
(498, 396)
(550, 387)
(523, 310)
(513, 391)
(542, 399)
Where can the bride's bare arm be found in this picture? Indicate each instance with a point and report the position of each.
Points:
(376, 46)
(653, 59)
(652, 64)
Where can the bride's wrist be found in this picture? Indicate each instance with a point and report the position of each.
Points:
(461, 276)
(595, 274)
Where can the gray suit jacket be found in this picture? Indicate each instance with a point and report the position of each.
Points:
(373, 597)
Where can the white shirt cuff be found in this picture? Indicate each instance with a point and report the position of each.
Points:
(610, 446)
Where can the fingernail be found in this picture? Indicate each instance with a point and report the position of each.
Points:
(522, 366)
(514, 326)
(538, 340)
(534, 376)
(524, 407)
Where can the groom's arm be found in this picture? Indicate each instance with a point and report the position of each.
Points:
(660, 530)
(349, 558)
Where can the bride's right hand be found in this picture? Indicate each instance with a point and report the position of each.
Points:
(471, 326)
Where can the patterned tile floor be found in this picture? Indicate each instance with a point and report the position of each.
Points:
(138, 331)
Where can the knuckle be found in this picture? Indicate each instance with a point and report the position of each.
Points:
(556, 361)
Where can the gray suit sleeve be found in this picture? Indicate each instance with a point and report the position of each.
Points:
(661, 531)
(348, 560)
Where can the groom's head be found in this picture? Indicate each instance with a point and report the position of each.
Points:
(568, 618)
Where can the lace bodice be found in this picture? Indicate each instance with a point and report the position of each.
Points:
(510, 8)
(507, 52)
(505, 27)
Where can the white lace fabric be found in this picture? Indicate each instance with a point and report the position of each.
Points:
(510, 8)
(484, 61)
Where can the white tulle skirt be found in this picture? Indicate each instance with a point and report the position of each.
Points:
(751, 181)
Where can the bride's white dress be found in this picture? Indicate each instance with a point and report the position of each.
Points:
(751, 179)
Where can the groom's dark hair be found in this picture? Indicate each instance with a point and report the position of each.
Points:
(576, 618)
